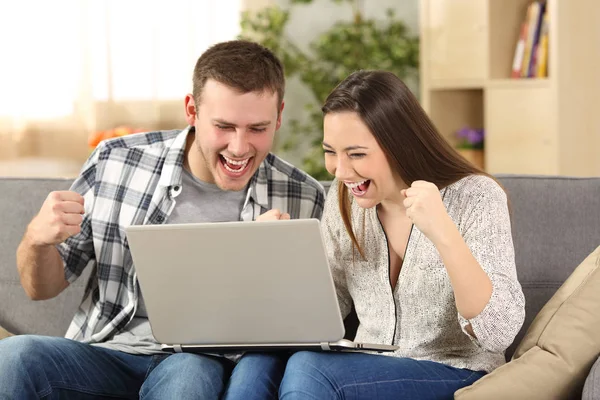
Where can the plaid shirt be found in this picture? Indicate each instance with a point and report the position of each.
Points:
(134, 180)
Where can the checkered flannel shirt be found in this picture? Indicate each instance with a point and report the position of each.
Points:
(134, 180)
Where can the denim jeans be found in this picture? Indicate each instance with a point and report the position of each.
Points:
(38, 367)
(354, 376)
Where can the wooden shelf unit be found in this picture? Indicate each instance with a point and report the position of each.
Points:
(548, 126)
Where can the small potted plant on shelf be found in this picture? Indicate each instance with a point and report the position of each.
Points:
(470, 145)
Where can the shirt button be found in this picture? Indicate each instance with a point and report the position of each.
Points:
(176, 188)
(160, 218)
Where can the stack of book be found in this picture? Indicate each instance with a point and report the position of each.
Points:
(531, 52)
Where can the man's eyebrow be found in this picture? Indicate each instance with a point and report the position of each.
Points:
(223, 122)
(349, 148)
(262, 123)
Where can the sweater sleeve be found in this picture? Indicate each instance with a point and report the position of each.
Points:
(332, 238)
(487, 233)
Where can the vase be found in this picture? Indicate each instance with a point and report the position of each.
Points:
(474, 156)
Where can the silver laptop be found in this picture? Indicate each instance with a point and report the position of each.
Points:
(239, 286)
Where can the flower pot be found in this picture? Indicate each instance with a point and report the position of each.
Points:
(474, 156)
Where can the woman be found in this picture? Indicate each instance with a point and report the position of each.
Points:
(419, 242)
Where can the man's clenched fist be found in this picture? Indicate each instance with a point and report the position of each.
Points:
(59, 218)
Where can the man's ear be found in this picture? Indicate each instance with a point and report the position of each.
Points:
(190, 109)
(278, 125)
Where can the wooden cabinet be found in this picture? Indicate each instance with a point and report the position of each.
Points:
(533, 125)
(458, 33)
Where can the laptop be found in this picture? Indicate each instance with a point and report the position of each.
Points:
(239, 286)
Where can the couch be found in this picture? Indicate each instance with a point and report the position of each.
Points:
(556, 224)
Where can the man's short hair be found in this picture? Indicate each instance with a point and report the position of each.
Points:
(242, 65)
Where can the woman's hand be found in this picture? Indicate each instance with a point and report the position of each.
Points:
(426, 210)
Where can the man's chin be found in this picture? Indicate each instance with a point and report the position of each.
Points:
(225, 182)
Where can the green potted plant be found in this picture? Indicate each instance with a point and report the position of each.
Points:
(346, 47)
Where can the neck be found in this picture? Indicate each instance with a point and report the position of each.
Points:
(395, 202)
(392, 206)
(192, 159)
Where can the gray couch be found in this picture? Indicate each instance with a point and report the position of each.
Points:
(556, 224)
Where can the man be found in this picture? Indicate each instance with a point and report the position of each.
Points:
(217, 169)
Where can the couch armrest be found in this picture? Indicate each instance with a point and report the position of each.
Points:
(591, 390)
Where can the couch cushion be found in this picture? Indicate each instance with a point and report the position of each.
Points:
(21, 199)
(555, 225)
(591, 390)
(4, 333)
(556, 354)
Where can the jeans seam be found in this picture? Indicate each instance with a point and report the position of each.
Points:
(341, 388)
(80, 389)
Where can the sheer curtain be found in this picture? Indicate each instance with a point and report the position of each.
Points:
(71, 67)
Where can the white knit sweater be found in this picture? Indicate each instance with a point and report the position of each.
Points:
(420, 314)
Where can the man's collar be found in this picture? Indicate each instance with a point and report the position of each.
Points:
(172, 173)
(258, 187)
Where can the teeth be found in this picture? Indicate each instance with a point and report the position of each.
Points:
(234, 162)
(355, 184)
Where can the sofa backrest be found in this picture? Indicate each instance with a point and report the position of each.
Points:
(555, 220)
(555, 225)
(20, 200)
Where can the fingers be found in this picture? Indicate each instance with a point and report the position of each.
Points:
(69, 207)
(61, 196)
(418, 187)
(422, 184)
(72, 230)
(72, 219)
(410, 192)
(273, 215)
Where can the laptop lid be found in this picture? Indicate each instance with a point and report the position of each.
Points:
(236, 282)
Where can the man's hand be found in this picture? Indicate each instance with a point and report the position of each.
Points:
(59, 218)
(273, 215)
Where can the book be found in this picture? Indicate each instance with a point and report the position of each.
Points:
(533, 16)
(542, 49)
(519, 52)
(532, 72)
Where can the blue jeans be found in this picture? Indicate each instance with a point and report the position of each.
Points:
(38, 367)
(349, 376)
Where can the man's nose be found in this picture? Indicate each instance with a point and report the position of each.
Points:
(238, 145)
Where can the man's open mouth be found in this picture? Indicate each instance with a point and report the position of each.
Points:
(234, 166)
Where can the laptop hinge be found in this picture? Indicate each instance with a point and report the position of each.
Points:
(325, 346)
(177, 348)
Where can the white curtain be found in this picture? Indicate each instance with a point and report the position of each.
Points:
(71, 67)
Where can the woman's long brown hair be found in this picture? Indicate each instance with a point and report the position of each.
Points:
(413, 146)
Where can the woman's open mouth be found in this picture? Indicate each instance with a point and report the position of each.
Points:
(358, 188)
